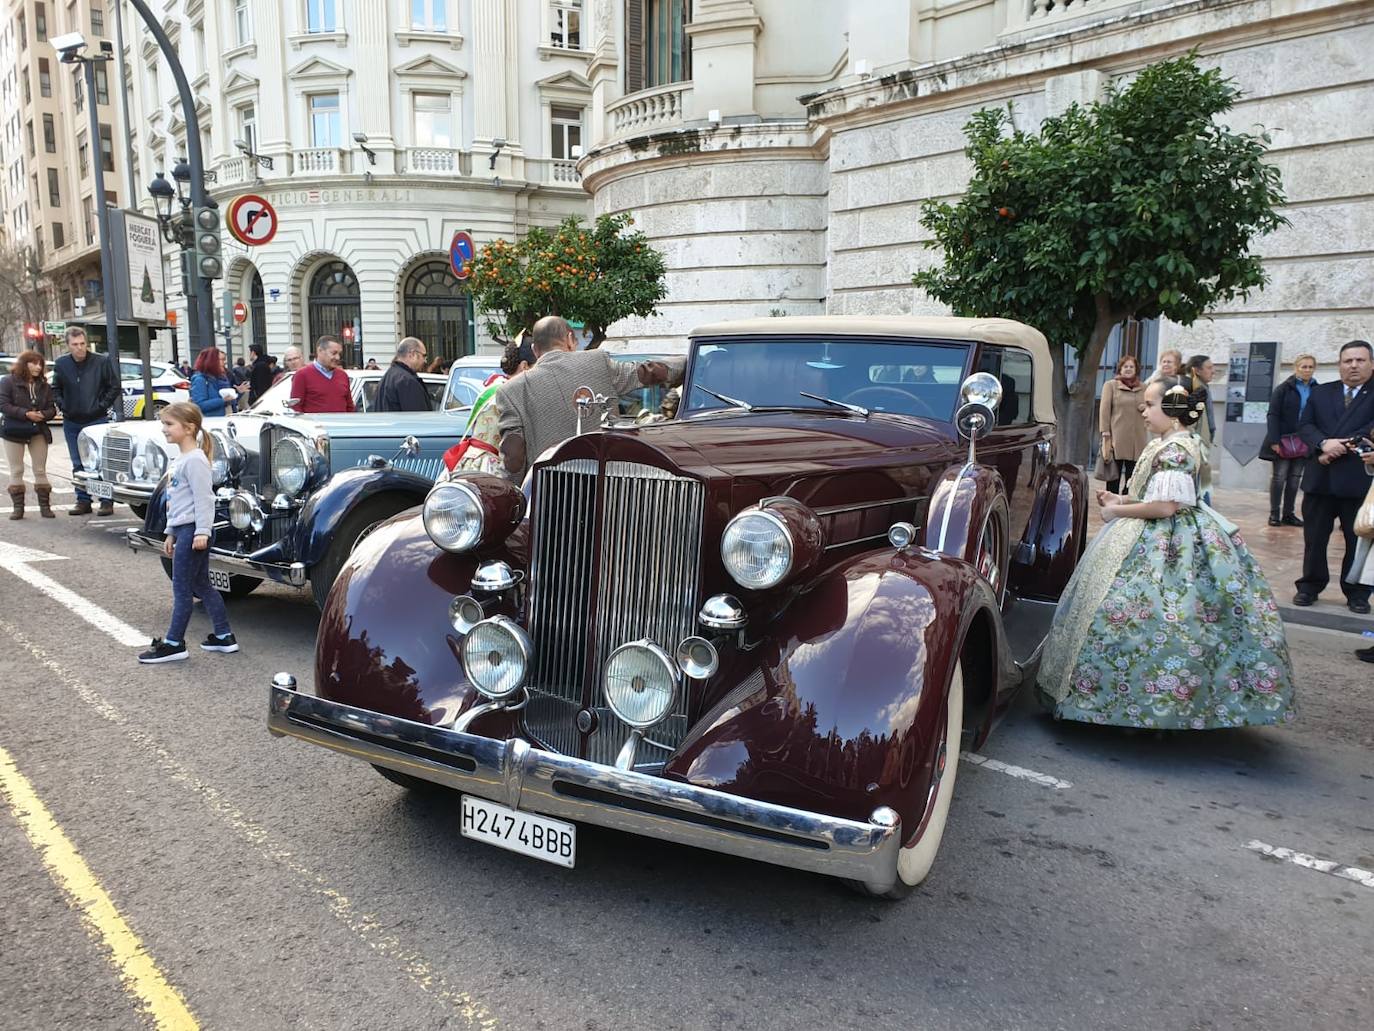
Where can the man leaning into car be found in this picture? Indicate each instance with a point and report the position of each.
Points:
(85, 386)
(536, 408)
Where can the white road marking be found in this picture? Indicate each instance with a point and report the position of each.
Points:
(1019, 772)
(15, 559)
(1349, 873)
(369, 927)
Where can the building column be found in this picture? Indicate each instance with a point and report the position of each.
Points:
(724, 36)
(372, 31)
(604, 70)
(274, 119)
(496, 109)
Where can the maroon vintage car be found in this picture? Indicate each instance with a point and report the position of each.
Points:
(764, 627)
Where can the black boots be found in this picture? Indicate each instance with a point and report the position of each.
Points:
(17, 502)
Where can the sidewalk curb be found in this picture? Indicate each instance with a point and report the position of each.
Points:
(1325, 619)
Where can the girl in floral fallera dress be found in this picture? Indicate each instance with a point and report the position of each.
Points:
(1168, 622)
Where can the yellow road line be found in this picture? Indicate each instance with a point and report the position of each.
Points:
(140, 975)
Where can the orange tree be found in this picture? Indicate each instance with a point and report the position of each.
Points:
(1142, 205)
(594, 274)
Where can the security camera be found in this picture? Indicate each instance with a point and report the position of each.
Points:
(68, 44)
(360, 137)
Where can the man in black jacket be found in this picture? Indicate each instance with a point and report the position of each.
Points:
(260, 374)
(1337, 479)
(401, 389)
(85, 386)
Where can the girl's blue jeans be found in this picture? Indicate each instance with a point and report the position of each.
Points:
(191, 578)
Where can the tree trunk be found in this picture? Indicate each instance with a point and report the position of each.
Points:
(1076, 423)
(598, 335)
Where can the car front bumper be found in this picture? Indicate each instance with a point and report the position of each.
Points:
(521, 776)
(292, 574)
(124, 493)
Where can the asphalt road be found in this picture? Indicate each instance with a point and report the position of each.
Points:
(272, 884)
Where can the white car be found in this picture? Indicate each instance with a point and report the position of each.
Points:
(168, 385)
(124, 461)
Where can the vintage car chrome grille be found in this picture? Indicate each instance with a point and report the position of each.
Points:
(644, 536)
(429, 468)
(116, 453)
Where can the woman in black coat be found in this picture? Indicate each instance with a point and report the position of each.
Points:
(1285, 409)
(26, 408)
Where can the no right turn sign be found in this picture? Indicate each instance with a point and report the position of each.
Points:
(252, 220)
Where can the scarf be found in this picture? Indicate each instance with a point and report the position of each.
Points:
(1129, 384)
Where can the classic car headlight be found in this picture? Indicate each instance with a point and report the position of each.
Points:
(496, 656)
(757, 549)
(154, 461)
(640, 681)
(242, 508)
(453, 516)
(291, 463)
(89, 451)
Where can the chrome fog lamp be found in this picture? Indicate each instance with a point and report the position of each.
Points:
(154, 460)
(258, 521)
(453, 516)
(89, 451)
(238, 457)
(291, 462)
(494, 576)
(496, 657)
(723, 612)
(242, 508)
(464, 613)
(698, 658)
(756, 549)
(138, 465)
(901, 535)
(640, 682)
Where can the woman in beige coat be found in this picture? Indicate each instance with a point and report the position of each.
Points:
(1124, 434)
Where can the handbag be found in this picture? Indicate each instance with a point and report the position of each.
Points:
(1364, 518)
(1106, 469)
(21, 430)
(1292, 446)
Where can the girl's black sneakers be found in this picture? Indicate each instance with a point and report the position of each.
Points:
(161, 651)
(227, 643)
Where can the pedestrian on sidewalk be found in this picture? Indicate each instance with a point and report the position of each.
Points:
(212, 390)
(401, 389)
(1282, 446)
(1124, 434)
(85, 386)
(1336, 479)
(27, 406)
(190, 522)
(323, 385)
(1168, 621)
(1170, 367)
(1197, 377)
(260, 376)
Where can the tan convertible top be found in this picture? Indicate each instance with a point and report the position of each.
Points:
(992, 331)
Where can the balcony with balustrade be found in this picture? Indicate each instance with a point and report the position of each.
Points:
(650, 110)
(1039, 15)
(316, 161)
(445, 162)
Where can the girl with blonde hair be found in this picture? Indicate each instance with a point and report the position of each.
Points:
(190, 522)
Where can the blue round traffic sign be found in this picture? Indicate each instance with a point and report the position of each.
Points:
(460, 251)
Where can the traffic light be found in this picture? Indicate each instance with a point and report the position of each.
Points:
(209, 264)
(346, 335)
(33, 332)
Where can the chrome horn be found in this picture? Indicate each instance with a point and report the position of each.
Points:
(980, 395)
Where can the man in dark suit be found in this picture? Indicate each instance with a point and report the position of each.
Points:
(1336, 480)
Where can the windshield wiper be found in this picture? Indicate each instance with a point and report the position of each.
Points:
(733, 402)
(856, 409)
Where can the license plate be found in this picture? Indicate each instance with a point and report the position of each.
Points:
(550, 840)
(219, 580)
(100, 489)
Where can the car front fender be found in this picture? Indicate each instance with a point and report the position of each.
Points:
(341, 494)
(1055, 536)
(841, 707)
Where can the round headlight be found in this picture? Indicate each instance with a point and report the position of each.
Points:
(89, 451)
(496, 656)
(640, 683)
(290, 464)
(139, 467)
(154, 460)
(453, 516)
(241, 509)
(756, 549)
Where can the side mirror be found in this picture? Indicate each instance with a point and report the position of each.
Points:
(291, 402)
(980, 394)
(411, 446)
(583, 396)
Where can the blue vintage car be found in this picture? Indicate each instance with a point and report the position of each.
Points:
(296, 492)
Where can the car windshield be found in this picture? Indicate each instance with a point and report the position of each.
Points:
(466, 383)
(920, 379)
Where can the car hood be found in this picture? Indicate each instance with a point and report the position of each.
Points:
(343, 425)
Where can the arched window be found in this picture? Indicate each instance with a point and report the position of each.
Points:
(438, 310)
(257, 310)
(334, 302)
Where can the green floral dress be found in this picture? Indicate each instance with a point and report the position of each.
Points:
(1168, 623)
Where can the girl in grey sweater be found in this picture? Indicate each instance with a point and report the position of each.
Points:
(190, 522)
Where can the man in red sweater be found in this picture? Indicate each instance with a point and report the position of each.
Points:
(322, 386)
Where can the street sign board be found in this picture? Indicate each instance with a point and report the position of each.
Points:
(140, 293)
(54, 329)
(252, 220)
(460, 251)
(1250, 383)
(240, 313)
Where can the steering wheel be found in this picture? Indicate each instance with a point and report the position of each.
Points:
(853, 398)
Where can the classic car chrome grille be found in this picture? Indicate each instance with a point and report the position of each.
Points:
(645, 538)
(429, 468)
(115, 454)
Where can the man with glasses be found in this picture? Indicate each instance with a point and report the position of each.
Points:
(401, 389)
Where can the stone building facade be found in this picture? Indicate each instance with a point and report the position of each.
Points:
(783, 168)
